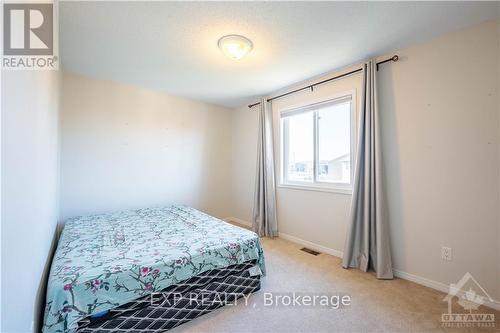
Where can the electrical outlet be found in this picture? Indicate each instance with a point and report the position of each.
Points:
(446, 253)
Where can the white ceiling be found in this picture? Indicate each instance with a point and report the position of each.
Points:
(172, 46)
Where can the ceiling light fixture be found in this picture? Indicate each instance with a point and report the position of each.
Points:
(235, 46)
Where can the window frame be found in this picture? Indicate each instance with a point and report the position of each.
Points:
(312, 106)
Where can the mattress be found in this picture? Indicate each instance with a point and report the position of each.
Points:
(179, 303)
(105, 261)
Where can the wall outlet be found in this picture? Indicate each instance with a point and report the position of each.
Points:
(446, 253)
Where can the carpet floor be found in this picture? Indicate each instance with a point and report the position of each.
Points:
(376, 305)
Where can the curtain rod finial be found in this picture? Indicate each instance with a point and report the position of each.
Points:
(395, 58)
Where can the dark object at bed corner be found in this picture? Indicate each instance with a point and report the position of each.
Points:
(179, 303)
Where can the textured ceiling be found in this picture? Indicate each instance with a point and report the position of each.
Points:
(172, 46)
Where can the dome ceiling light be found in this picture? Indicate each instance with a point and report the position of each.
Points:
(235, 46)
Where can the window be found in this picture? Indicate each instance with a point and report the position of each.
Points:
(316, 145)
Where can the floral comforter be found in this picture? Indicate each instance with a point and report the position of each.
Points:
(103, 261)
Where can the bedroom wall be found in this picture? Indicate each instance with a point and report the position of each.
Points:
(126, 147)
(442, 137)
(29, 196)
(498, 105)
(440, 123)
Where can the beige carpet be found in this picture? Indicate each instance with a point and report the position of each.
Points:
(377, 306)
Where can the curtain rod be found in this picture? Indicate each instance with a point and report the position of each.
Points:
(311, 86)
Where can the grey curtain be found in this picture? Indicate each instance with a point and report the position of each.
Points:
(264, 207)
(367, 245)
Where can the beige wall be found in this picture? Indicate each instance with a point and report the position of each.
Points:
(498, 105)
(440, 131)
(244, 152)
(440, 122)
(29, 205)
(125, 147)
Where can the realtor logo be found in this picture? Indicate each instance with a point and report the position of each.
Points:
(28, 36)
(28, 29)
(469, 297)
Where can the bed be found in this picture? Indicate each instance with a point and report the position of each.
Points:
(138, 270)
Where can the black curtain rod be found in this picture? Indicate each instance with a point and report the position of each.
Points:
(393, 58)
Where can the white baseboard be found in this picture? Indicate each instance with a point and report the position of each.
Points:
(311, 245)
(336, 253)
(238, 221)
(438, 286)
(293, 239)
(422, 281)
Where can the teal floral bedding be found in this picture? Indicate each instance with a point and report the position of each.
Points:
(103, 261)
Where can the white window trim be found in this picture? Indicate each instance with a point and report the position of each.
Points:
(315, 185)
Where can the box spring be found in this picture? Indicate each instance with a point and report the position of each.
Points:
(179, 303)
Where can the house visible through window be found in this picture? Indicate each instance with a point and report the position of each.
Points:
(316, 145)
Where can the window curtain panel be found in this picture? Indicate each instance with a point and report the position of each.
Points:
(367, 245)
(264, 208)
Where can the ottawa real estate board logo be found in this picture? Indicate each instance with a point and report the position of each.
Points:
(28, 36)
(464, 305)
